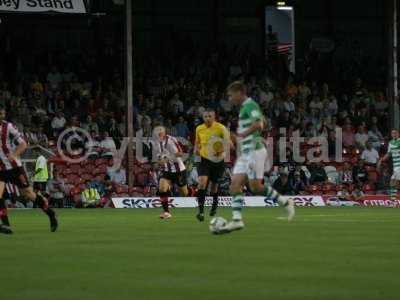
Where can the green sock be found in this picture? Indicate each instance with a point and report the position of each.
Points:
(237, 205)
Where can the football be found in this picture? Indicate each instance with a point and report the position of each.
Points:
(216, 224)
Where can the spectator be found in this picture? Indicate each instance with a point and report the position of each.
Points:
(115, 132)
(196, 110)
(332, 105)
(346, 174)
(298, 184)
(54, 78)
(357, 194)
(332, 145)
(58, 123)
(348, 136)
(375, 137)
(181, 128)
(361, 137)
(90, 197)
(92, 146)
(360, 174)
(90, 125)
(57, 190)
(175, 101)
(369, 154)
(117, 175)
(42, 137)
(318, 174)
(344, 194)
(107, 145)
(282, 184)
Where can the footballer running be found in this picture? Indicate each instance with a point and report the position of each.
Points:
(12, 146)
(250, 164)
(173, 170)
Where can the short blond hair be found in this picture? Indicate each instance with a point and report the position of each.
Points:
(237, 86)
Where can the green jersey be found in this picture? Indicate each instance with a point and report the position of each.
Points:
(394, 151)
(250, 112)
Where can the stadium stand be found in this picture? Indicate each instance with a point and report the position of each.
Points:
(43, 105)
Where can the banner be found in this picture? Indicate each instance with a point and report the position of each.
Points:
(367, 200)
(61, 6)
(187, 202)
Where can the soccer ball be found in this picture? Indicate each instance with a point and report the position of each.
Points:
(216, 224)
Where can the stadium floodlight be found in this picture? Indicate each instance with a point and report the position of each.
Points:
(284, 7)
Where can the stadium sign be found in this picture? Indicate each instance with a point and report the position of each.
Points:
(60, 6)
(191, 202)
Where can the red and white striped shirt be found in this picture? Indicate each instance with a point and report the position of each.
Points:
(167, 148)
(10, 138)
(12, 190)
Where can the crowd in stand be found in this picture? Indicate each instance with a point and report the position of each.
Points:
(175, 93)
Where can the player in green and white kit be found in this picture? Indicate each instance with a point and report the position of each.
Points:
(250, 164)
(394, 153)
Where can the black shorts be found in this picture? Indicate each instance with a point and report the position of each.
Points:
(178, 178)
(213, 170)
(40, 186)
(16, 176)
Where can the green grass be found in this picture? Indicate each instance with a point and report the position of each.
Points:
(327, 253)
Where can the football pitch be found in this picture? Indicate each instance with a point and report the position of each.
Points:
(326, 253)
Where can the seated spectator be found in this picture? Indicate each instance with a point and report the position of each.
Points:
(57, 190)
(54, 78)
(344, 194)
(42, 137)
(98, 183)
(369, 154)
(58, 123)
(92, 146)
(361, 137)
(196, 110)
(36, 85)
(346, 174)
(360, 174)
(332, 145)
(282, 184)
(181, 128)
(107, 146)
(357, 194)
(348, 136)
(90, 197)
(298, 184)
(115, 132)
(308, 131)
(153, 191)
(299, 170)
(117, 175)
(318, 174)
(109, 191)
(375, 137)
(90, 125)
(31, 136)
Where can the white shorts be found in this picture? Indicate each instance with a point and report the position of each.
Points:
(251, 164)
(396, 175)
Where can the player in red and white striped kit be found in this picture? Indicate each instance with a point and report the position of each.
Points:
(12, 145)
(173, 170)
